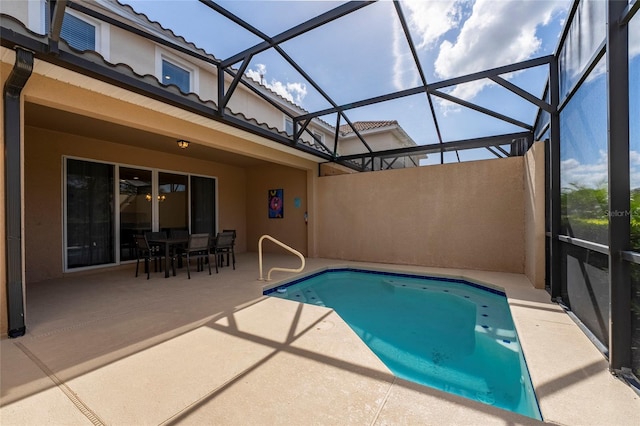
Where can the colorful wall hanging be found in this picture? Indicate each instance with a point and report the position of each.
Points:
(276, 204)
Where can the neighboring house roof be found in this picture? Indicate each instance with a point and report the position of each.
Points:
(369, 127)
(362, 126)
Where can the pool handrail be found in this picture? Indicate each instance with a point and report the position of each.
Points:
(284, 246)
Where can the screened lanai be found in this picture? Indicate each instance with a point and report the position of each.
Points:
(454, 82)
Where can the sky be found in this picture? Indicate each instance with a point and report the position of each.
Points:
(365, 54)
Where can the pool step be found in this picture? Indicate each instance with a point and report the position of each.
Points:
(305, 296)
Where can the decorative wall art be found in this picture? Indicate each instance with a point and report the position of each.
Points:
(276, 204)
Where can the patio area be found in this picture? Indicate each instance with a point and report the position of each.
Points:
(109, 348)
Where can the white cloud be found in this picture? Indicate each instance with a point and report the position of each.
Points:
(594, 175)
(429, 20)
(293, 92)
(403, 62)
(258, 73)
(497, 33)
(432, 19)
(634, 38)
(589, 175)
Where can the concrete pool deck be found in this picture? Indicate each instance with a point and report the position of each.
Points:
(108, 348)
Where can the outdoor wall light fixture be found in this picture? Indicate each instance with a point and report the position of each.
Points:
(183, 144)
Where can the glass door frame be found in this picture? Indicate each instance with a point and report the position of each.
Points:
(155, 219)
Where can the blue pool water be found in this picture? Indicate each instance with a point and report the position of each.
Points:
(448, 334)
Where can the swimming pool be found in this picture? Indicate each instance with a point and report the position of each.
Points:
(446, 333)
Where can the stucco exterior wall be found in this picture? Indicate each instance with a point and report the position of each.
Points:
(137, 52)
(44, 152)
(291, 229)
(377, 142)
(468, 215)
(534, 189)
(19, 10)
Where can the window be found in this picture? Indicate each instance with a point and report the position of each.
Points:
(318, 137)
(37, 14)
(173, 201)
(288, 126)
(78, 33)
(89, 205)
(174, 74)
(136, 209)
(203, 205)
(106, 205)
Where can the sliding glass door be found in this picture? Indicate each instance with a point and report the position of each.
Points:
(98, 231)
(203, 205)
(173, 201)
(89, 208)
(135, 208)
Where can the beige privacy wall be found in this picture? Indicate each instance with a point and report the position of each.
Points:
(534, 202)
(466, 215)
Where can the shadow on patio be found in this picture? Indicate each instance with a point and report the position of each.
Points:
(108, 348)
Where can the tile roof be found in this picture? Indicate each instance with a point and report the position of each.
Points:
(362, 126)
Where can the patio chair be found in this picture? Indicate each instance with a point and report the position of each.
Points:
(233, 245)
(198, 248)
(178, 233)
(157, 249)
(178, 249)
(222, 245)
(143, 251)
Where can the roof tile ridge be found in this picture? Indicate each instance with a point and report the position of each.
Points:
(21, 25)
(148, 77)
(273, 129)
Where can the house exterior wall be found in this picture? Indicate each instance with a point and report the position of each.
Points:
(378, 142)
(291, 229)
(44, 151)
(143, 56)
(534, 204)
(20, 11)
(137, 52)
(467, 215)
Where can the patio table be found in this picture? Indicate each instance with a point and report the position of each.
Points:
(168, 244)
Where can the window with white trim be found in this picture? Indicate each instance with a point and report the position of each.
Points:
(79, 33)
(318, 136)
(175, 74)
(172, 69)
(288, 126)
(85, 33)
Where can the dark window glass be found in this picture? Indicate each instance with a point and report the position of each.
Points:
(135, 208)
(173, 201)
(586, 288)
(635, 319)
(203, 205)
(173, 74)
(79, 34)
(89, 219)
(583, 162)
